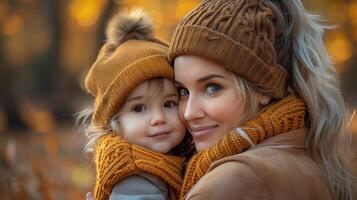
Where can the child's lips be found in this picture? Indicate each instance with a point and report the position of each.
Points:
(160, 134)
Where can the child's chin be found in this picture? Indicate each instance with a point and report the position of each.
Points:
(161, 149)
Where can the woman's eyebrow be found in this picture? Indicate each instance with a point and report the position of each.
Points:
(205, 78)
(177, 83)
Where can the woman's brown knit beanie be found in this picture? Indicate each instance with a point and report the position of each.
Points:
(130, 56)
(240, 35)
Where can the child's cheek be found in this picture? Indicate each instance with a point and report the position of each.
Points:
(133, 127)
(175, 121)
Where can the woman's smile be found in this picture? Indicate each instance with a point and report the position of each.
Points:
(202, 130)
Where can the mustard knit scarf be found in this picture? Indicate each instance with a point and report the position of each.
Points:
(116, 159)
(286, 115)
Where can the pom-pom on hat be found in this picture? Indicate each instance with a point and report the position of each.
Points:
(130, 56)
(240, 35)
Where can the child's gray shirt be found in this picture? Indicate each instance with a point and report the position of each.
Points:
(143, 186)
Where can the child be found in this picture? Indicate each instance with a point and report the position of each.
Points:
(135, 121)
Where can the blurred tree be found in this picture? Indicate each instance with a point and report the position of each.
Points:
(8, 101)
(107, 11)
(48, 72)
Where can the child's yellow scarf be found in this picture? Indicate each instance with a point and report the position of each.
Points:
(116, 159)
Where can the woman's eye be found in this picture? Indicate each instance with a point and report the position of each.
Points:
(182, 92)
(213, 88)
(170, 104)
(139, 108)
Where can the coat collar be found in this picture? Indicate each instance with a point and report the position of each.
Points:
(293, 139)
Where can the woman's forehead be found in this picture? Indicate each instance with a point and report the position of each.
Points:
(192, 68)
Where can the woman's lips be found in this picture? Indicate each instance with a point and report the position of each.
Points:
(200, 131)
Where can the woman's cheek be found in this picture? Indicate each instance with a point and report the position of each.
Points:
(226, 109)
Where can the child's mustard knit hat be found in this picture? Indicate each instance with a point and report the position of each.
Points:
(130, 56)
(240, 35)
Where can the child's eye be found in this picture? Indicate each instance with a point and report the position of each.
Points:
(170, 104)
(138, 108)
(212, 88)
(183, 92)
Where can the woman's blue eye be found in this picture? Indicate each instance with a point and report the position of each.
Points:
(139, 108)
(182, 92)
(213, 88)
(170, 104)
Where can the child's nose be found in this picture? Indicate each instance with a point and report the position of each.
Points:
(158, 118)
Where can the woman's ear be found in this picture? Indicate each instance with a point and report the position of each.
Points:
(263, 99)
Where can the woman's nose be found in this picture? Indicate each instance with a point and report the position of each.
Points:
(193, 109)
(157, 117)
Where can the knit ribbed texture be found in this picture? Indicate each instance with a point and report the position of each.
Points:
(238, 34)
(286, 115)
(119, 71)
(116, 159)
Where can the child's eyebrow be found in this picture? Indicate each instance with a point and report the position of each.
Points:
(134, 98)
(172, 95)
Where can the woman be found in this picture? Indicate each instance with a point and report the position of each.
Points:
(232, 58)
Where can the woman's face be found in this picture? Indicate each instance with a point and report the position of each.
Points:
(209, 104)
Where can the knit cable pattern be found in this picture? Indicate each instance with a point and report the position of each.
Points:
(117, 159)
(240, 35)
(286, 115)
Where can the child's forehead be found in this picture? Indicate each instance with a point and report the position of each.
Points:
(154, 88)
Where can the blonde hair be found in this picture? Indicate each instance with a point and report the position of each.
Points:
(245, 90)
(91, 131)
(300, 49)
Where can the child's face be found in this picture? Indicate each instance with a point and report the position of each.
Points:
(149, 116)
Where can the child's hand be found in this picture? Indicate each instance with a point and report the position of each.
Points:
(89, 196)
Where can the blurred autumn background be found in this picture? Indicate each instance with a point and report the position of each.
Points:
(46, 48)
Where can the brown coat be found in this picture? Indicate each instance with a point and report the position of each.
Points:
(278, 168)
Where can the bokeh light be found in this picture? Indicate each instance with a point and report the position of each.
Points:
(339, 47)
(85, 12)
(183, 7)
(12, 25)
